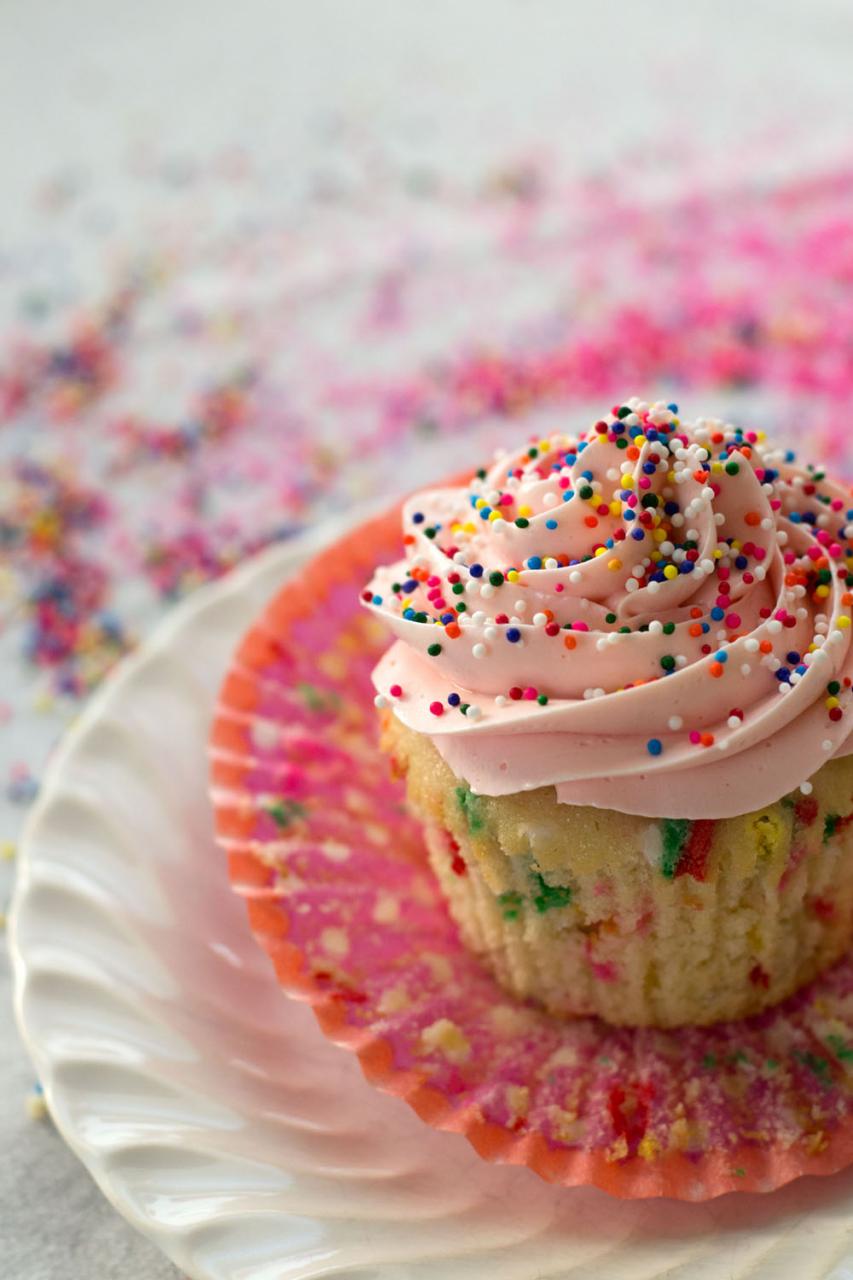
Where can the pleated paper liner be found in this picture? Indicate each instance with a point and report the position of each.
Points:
(340, 894)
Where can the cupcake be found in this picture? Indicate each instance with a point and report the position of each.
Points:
(620, 697)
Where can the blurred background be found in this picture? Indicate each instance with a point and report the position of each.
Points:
(264, 263)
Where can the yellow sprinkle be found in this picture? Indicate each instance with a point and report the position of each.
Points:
(844, 623)
(627, 482)
(470, 527)
(545, 446)
(717, 467)
(822, 592)
(670, 571)
(512, 576)
(659, 535)
(494, 515)
(616, 508)
(718, 554)
(736, 544)
(599, 551)
(525, 511)
(831, 703)
(614, 564)
(480, 503)
(7, 850)
(655, 556)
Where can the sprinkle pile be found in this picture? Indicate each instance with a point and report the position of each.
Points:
(155, 432)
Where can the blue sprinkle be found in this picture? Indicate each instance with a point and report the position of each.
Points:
(453, 699)
(673, 408)
(686, 566)
(418, 517)
(741, 562)
(654, 746)
(550, 524)
(485, 512)
(513, 635)
(783, 675)
(376, 600)
(721, 655)
(475, 570)
(409, 613)
(638, 534)
(534, 562)
(717, 613)
(409, 585)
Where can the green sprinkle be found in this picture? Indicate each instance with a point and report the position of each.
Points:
(511, 904)
(314, 698)
(430, 533)
(668, 628)
(732, 468)
(610, 617)
(668, 662)
(833, 688)
(496, 578)
(284, 812)
(522, 522)
(586, 492)
(840, 1048)
(458, 588)
(819, 1067)
(542, 699)
(709, 1061)
(829, 826)
(473, 808)
(462, 607)
(550, 896)
(674, 832)
(434, 650)
(738, 1173)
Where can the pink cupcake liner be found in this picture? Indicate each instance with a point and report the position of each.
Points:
(341, 896)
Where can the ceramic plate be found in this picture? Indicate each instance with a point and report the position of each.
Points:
(210, 1109)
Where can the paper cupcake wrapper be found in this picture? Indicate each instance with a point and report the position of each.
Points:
(341, 896)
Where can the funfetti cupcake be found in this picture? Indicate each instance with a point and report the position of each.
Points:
(620, 695)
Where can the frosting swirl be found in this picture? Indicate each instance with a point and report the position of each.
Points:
(653, 616)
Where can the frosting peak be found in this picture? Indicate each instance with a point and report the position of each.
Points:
(654, 616)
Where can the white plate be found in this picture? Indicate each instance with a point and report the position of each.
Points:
(210, 1109)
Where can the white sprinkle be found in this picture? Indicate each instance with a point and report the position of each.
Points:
(478, 651)
(539, 619)
(489, 633)
(752, 645)
(676, 723)
(473, 713)
(520, 606)
(734, 722)
(487, 591)
(746, 669)
(826, 745)
(501, 700)
(380, 701)
(774, 626)
(550, 500)
(576, 576)
(807, 788)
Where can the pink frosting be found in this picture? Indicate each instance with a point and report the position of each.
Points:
(667, 628)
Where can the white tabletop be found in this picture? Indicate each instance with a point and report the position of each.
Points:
(89, 89)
